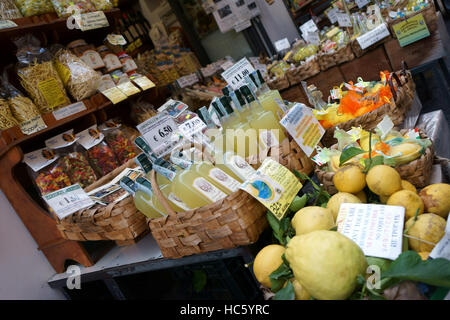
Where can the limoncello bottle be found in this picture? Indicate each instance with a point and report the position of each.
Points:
(238, 165)
(145, 187)
(270, 100)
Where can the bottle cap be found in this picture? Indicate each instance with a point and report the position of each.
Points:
(143, 161)
(226, 104)
(128, 185)
(226, 91)
(217, 109)
(247, 94)
(141, 144)
(239, 97)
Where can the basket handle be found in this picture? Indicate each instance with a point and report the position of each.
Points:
(157, 192)
(391, 85)
(404, 67)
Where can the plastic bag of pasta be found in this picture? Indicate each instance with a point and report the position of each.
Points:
(63, 7)
(30, 8)
(8, 10)
(6, 118)
(38, 75)
(80, 80)
(102, 4)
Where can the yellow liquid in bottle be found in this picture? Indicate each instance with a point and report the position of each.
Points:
(269, 103)
(217, 177)
(144, 204)
(238, 165)
(263, 119)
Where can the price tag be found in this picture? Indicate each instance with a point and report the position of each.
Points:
(5, 24)
(411, 30)
(308, 26)
(442, 248)
(128, 88)
(274, 185)
(68, 200)
(303, 127)
(376, 229)
(335, 94)
(114, 95)
(33, 125)
(313, 37)
(69, 110)
(343, 19)
(91, 20)
(158, 132)
(362, 3)
(282, 44)
(191, 127)
(373, 36)
(235, 75)
(188, 80)
(116, 39)
(228, 64)
(143, 82)
(331, 14)
(385, 126)
(207, 72)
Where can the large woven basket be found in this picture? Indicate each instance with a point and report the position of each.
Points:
(278, 83)
(119, 221)
(236, 220)
(396, 110)
(428, 13)
(303, 71)
(326, 61)
(344, 54)
(418, 172)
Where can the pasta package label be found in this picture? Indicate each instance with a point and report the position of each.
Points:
(93, 59)
(64, 139)
(39, 159)
(52, 93)
(63, 71)
(33, 125)
(90, 137)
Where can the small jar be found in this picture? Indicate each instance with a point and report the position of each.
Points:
(110, 59)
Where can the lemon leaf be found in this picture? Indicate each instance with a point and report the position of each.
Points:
(280, 276)
(287, 293)
(298, 203)
(349, 153)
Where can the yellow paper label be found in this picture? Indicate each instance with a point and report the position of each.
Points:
(287, 55)
(63, 71)
(332, 32)
(128, 88)
(114, 95)
(274, 186)
(143, 82)
(52, 92)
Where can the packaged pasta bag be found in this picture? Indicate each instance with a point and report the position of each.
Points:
(30, 8)
(141, 110)
(38, 75)
(9, 10)
(119, 140)
(73, 158)
(80, 80)
(6, 118)
(65, 8)
(22, 108)
(100, 155)
(102, 5)
(46, 171)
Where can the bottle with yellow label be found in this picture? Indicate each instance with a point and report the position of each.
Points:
(270, 100)
(142, 201)
(238, 165)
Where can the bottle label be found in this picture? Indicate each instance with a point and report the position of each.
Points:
(165, 172)
(177, 201)
(208, 190)
(93, 59)
(240, 166)
(281, 104)
(224, 179)
(112, 62)
(268, 139)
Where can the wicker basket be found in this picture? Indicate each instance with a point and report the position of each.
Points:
(418, 172)
(326, 61)
(304, 71)
(358, 51)
(344, 54)
(428, 13)
(278, 83)
(236, 220)
(396, 110)
(119, 221)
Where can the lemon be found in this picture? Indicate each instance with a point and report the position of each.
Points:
(424, 254)
(341, 197)
(425, 232)
(436, 198)
(300, 292)
(406, 185)
(383, 180)
(267, 261)
(349, 179)
(326, 264)
(408, 200)
(312, 218)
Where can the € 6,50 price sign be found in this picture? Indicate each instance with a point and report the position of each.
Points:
(235, 75)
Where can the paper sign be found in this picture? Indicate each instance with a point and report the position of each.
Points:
(235, 75)
(188, 80)
(68, 200)
(91, 20)
(274, 186)
(308, 26)
(376, 229)
(157, 132)
(411, 30)
(5, 24)
(128, 88)
(69, 110)
(331, 14)
(114, 94)
(362, 3)
(303, 127)
(385, 126)
(313, 37)
(442, 248)
(143, 82)
(40, 158)
(33, 125)
(373, 36)
(343, 19)
(242, 25)
(191, 127)
(282, 44)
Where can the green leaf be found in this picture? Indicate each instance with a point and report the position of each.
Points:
(298, 203)
(333, 229)
(199, 280)
(409, 266)
(372, 162)
(349, 153)
(287, 293)
(390, 162)
(280, 276)
(275, 225)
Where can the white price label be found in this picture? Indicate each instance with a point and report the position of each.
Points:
(373, 36)
(235, 75)
(188, 80)
(308, 26)
(68, 200)
(282, 44)
(303, 127)
(442, 248)
(128, 88)
(385, 126)
(91, 20)
(313, 37)
(33, 125)
(191, 127)
(343, 19)
(376, 229)
(69, 110)
(158, 132)
(332, 15)
(5, 24)
(362, 3)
